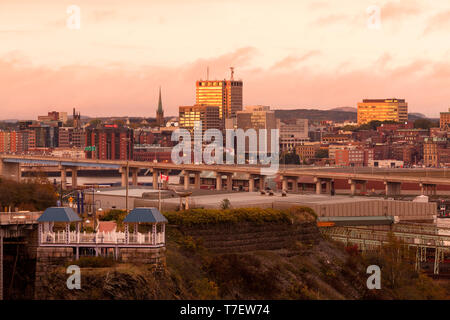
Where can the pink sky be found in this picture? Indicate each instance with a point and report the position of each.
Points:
(290, 54)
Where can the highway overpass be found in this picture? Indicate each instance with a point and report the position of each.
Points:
(10, 169)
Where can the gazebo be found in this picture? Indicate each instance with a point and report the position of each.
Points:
(151, 216)
(103, 241)
(59, 215)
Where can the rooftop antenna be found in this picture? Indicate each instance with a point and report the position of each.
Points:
(207, 73)
(232, 73)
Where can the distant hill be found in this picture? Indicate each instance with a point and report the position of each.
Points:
(346, 109)
(336, 114)
(316, 115)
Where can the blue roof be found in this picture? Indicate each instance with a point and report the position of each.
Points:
(59, 214)
(151, 215)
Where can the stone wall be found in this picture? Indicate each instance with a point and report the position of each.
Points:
(47, 260)
(246, 237)
(153, 256)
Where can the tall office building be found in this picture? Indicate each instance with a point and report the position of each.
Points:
(382, 110)
(208, 115)
(111, 142)
(257, 117)
(225, 94)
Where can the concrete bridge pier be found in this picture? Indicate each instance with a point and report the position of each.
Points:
(186, 178)
(229, 181)
(123, 172)
(320, 181)
(63, 170)
(134, 176)
(262, 183)
(393, 188)
(251, 184)
(197, 179)
(295, 184)
(10, 171)
(284, 183)
(165, 183)
(318, 185)
(218, 181)
(155, 179)
(353, 186)
(74, 177)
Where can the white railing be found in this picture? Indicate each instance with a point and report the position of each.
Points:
(117, 237)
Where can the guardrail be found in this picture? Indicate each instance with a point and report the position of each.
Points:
(114, 238)
(7, 218)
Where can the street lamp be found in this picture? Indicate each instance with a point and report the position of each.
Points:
(127, 172)
(94, 211)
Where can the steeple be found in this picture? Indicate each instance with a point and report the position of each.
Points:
(160, 111)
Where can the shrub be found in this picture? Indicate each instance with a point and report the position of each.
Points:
(114, 215)
(93, 262)
(206, 289)
(225, 204)
(232, 216)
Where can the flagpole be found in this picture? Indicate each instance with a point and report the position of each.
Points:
(159, 193)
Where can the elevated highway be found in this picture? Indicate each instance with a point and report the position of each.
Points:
(10, 169)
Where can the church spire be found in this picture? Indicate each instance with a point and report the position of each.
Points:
(160, 111)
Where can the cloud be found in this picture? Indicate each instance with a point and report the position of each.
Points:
(103, 15)
(29, 90)
(331, 19)
(292, 61)
(440, 21)
(397, 10)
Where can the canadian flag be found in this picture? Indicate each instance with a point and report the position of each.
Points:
(163, 177)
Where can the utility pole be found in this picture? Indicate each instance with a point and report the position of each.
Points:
(1, 265)
(126, 188)
(159, 194)
(94, 209)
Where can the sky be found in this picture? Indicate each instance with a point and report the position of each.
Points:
(110, 57)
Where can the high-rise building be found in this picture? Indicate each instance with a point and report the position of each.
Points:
(209, 116)
(444, 122)
(257, 118)
(46, 134)
(13, 141)
(225, 94)
(111, 142)
(382, 110)
(160, 112)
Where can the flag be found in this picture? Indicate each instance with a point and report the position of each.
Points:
(163, 177)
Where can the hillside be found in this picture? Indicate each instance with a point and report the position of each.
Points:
(336, 114)
(309, 267)
(316, 115)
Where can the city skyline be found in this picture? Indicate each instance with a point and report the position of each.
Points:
(121, 54)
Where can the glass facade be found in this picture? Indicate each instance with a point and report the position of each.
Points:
(226, 94)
